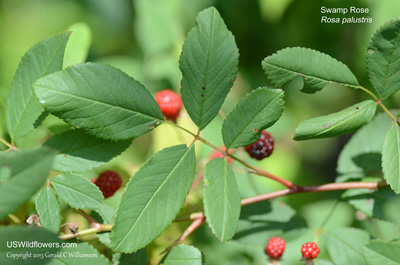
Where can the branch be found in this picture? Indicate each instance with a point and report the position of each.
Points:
(101, 228)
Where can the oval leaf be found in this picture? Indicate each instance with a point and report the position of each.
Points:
(23, 107)
(335, 124)
(100, 99)
(317, 69)
(345, 245)
(153, 197)
(221, 199)
(77, 191)
(209, 64)
(78, 45)
(383, 59)
(83, 254)
(25, 237)
(29, 170)
(184, 255)
(256, 111)
(80, 151)
(48, 209)
(391, 158)
(380, 252)
(361, 156)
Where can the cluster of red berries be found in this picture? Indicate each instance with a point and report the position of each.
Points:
(276, 247)
(108, 182)
(262, 148)
(170, 103)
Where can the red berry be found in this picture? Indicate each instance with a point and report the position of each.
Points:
(170, 103)
(108, 182)
(310, 250)
(220, 155)
(262, 148)
(275, 247)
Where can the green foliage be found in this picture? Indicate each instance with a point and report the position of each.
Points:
(383, 59)
(153, 197)
(24, 235)
(208, 62)
(342, 122)
(381, 252)
(77, 191)
(255, 112)
(23, 108)
(317, 69)
(391, 158)
(78, 44)
(89, 97)
(184, 255)
(80, 151)
(345, 245)
(29, 170)
(48, 209)
(69, 256)
(138, 258)
(221, 199)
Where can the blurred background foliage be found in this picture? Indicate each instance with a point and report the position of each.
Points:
(144, 39)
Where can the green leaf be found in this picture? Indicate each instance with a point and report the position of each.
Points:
(138, 258)
(335, 124)
(383, 59)
(80, 151)
(23, 108)
(28, 240)
(317, 69)
(221, 199)
(391, 158)
(100, 99)
(77, 191)
(256, 111)
(361, 156)
(369, 201)
(153, 197)
(260, 221)
(29, 170)
(345, 245)
(78, 45)
(83, 254)
(48, 209)
(379, 252)
(209, 64)
(184, 255)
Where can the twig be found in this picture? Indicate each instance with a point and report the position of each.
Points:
(93, 223)
(102, 228)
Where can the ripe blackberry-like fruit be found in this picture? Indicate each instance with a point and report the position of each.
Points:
(275, 247)
(310, 250)
(170, 103)
(108, 182)
(220, 155)
(262, 148)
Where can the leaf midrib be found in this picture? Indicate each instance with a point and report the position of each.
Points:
(153, 196)
(76, 191)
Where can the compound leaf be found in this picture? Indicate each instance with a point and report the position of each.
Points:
(100, 99)
(317, 69)
(48, 209)
(221, 199)
(80, 151)
(184, 255)
(153, 197)
(335, 124)
(391, 158)
(256, 111)
(209, 64)
(345, 245)
(29, 170)
(77, 191)
(23, 107)
(380, 252)
(383, 59)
